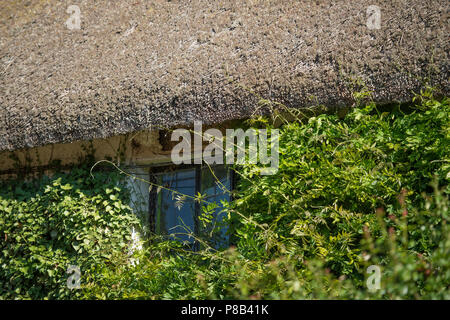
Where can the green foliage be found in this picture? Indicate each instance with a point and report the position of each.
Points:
(51, 223)
(333, 176)
(367, 190)
(167, 271)
(405, 273)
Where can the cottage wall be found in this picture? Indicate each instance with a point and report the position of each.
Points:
(138, 148)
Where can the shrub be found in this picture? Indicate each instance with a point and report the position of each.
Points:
(368, 190)
(335, 174)
(51, 223)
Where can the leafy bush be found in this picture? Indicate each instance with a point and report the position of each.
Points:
(334, 175)
(48, 224)
(404, 272)
(368, 190)
(166, 271)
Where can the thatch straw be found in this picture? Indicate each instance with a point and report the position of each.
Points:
(138, 63)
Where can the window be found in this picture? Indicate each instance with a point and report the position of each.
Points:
(176, 220)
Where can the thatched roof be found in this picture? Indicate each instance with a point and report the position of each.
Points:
(137, 63)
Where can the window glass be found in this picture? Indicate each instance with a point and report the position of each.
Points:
(177, 220)
(216, 185)
(170, 218)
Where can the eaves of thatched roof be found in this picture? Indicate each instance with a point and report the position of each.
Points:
(135, 64)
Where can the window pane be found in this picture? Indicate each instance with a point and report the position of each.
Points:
(173, 219)
(209, 182)
(216, 185)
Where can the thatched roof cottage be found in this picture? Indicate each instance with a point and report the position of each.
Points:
(135, 65)
(117, 73)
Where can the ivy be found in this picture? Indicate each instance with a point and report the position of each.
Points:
(370, 189)
(51, 223)
(335, 174)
